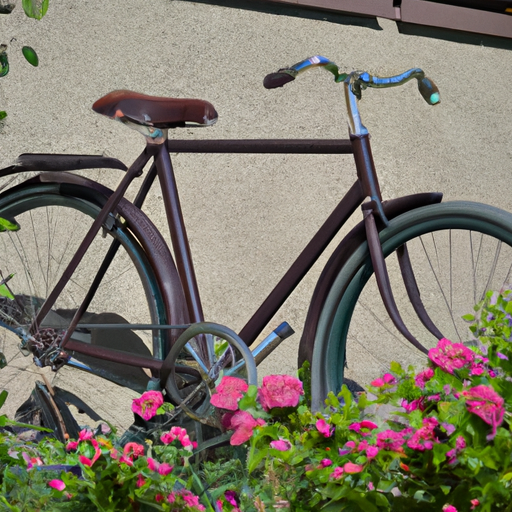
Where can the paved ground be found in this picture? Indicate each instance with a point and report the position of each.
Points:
(249, 216)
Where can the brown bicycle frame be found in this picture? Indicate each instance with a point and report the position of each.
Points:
(366, 186)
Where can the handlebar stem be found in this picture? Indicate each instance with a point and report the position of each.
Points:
(354, 83)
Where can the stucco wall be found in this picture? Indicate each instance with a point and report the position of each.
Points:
(249, 216)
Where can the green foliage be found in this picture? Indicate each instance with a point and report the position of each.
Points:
(447, 446)
(35, 8)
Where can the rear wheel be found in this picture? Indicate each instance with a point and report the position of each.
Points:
(52, 226)
(458, 252)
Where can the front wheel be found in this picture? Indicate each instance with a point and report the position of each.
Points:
(458, 252)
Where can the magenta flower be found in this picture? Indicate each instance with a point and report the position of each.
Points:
(337, 473)
(229, 392)
(133, 450)
(85, 435)
(72, 445)
(163, 468)
(324, 463)
(372, 451)
(324, 428)
(180, 434)
(423, 377)
(243, 424)
(425, 437)
(97, 452)
(280, 391)
(283, 445)
(391, 440)
(449, 508)
(487, 404)
(386, 379)
(451, 356)
(352, 468)
(57, 484)
(148, 403)
(140, 480)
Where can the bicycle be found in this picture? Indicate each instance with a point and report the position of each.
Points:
(66, 316)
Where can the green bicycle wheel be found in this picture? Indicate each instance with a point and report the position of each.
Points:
(458, 252)
(52, 225)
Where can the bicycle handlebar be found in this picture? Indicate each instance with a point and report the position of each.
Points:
(357, 80)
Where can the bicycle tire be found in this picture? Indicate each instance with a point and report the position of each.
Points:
(52, 223)
(355, 331)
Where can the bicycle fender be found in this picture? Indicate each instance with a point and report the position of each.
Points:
(140, 225)
(392, 208)
(47, 162)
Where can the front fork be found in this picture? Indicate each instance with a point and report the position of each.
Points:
(384, 285)
(367, 175)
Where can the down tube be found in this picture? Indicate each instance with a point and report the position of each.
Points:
(301, 266)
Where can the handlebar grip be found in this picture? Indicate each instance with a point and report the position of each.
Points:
(282, 77)
(428, 89)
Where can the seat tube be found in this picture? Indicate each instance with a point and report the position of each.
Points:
(178, 232)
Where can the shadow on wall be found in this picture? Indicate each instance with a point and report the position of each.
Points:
(362, 21)
(296, 12)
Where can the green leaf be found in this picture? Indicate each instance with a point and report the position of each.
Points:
(4, 61)
(5, 292)
(424, 496)
(3, 397)
(35, 8)
(3, 114)
(8, 225)
(3, 363)
(31, 55)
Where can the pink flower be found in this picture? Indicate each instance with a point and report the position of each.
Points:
(280, 391)
(140, 480)
(229, 392)
(425, 437)
(474, 503)
(85, 435)
(371, 452)
(449, 508)
(337, 473)
(451, 356)
(133, 449)
(282, 445)
(324, 463)
(323, 427)
(423, 377)
(243, 424)
(487, 404)
(165, 469)
(386, 379)
(72, 445)
(97, 452)
(180, 434)
(57, 484)
(352, 468)
(391, 440)
(419, 403)
(147, 405)
(367, 424)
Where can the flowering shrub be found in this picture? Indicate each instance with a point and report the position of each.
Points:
(445, 446)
